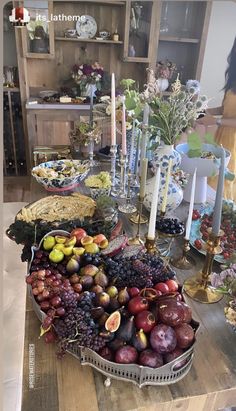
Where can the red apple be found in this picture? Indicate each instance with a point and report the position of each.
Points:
(79, 233)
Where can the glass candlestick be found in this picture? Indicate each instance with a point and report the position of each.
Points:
(127, 208)
(186, 26)
(164, 27)
(138, 217)
(113, 151)
(123, 162)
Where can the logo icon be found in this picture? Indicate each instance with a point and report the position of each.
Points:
(19, 16)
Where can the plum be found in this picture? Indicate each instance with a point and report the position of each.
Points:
(163, 339)
(185, 335)
(177, 352)
(126, 355)
(171, 312)
(150, 358)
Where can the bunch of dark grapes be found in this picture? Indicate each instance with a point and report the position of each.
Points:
(170, 226)
(160, 272)
(93, 259)
(77, 325)
(41, 262)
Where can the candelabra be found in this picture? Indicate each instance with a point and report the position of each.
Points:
(138, 217)
(184, 262)
(198, 286)
(150, 246)
(127, 208)
(113, 151)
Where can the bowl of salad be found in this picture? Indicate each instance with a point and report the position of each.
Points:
(60, 175)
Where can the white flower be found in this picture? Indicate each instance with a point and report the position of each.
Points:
(81, 67)
(99, 76)
(80, 72)
(105, 98)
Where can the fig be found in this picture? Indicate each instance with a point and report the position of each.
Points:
(91, 248)
(90, 269)
(184, 334)
(96, 312)
(171, 312)
(123, 296)
(103, 244)
(74, 279)
(126, 329)
(86, 240)
(79, 233)
(97, 289)
(67, 250)
(103, 299)
(107, 335)
(70, 241)
(86, 281)
(102, 319)
(106, 353)
(78, 251)
(137, 304)
(77, 287)
(116, 344)
(139, 341)
(114, 305)
(49, 242)
(145, 320)
(173, 355)
(150, 358)
(101, 279)
(113, 322)
(112, 291)
(72, 266)
(56, 256)
(99, 238)
(60, 239)
(133, 291)
(163, 339)
(126, 355)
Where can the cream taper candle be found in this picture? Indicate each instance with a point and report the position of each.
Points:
(123, 142)
(153, 213)
(191, 205)
(216, 221)
(113, 110)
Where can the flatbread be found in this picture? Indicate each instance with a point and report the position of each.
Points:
(57, 208)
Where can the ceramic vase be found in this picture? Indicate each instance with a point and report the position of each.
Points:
(162, 83)
(88, 90)
(161, 157)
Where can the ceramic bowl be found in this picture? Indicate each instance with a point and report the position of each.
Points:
(79, 171)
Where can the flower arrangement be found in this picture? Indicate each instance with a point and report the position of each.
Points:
(101, 180)
(225, 282)
(170, 116)
(165, 69)
(88, 74)
(84, 132)
(193, 84)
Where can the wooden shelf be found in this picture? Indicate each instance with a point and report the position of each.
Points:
(88, 40)
(13, 89)
(99, 2)
(179, 39)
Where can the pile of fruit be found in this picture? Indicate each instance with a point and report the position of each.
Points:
(120, 302)
(170, 226)
(228, 225)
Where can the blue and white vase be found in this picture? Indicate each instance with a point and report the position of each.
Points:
(161, 157)
(88, 90)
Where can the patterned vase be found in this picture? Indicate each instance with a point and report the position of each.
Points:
(161, 157)
(88, 90)
(163, 84)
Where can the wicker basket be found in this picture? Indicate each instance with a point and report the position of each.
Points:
(139, 375)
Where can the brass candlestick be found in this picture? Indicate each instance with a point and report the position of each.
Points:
(150, 246)
(185, 262)
(137, 239)
(138, 217)
(198, 286)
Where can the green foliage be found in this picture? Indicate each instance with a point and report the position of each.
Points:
(126, 83)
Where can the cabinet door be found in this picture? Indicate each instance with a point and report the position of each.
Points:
(38, 35)
(139, 26)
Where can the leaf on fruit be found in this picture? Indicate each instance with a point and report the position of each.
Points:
(43, 331)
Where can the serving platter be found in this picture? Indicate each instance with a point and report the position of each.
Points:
(86, 27)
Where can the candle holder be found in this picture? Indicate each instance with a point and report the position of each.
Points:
(138, 217)
(113, 151)
(123, 162)
(92, 162)
(198, 286)
(185, 262)
(150, 245)
(127, 208)
(137, 239)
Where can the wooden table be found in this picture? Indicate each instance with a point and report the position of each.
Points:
(65, 385)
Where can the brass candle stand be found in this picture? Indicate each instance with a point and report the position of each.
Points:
(138, 217)
(185, 262)
(137, 239)
(150, 245)
(198, 286)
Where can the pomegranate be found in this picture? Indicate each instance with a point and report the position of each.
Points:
(145, 320)
(137, 304)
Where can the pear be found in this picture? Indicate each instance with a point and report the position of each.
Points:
(49, 242)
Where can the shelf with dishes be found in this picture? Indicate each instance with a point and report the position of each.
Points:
(179, 39)
(88, 40)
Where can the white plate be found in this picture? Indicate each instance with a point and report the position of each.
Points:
(86, 27)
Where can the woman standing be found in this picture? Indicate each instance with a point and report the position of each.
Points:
(226, 133)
